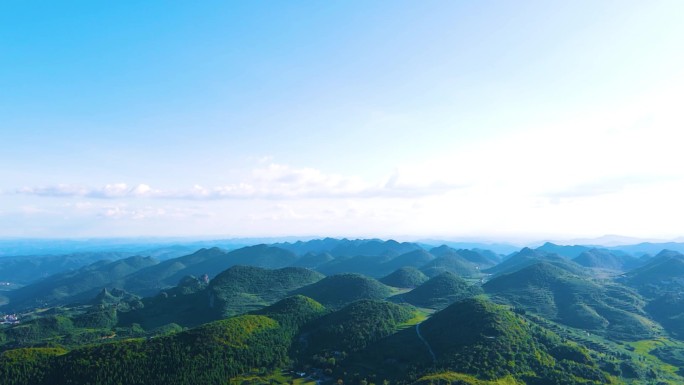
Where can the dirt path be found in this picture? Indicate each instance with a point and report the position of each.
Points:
(434, 357)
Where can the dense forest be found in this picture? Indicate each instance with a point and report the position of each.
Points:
(593, 316)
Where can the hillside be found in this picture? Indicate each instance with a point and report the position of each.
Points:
(372, 247)
(24, 270)
(312, 261)
(405, 277)
(604, 259)
(338, 290)
(360, 264)
(566, 251)
(208, 354)
(237, 290)
(661, 280)
(244, 288)
(556, 294)
(205, 261)
(439, 292)
(664, 272)
(353, 327)
(167, 274)
(78, 285)
(205, 355)
(415, 258)
(481, 258)
(527, 257)
(488, 343)
(452, 263)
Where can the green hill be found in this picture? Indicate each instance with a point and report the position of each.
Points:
(481, 341)
(338, 290)
(604, 259)
(24, 270)
(439, 292)
(405, 277)
(663, 273)
(661, 280)
(566, 251)
(608, 308)
(244, 288)
(166, 274)
(312, 261)
(415, 258)
(209, 354)
(78, 285)
(237, 290)
(452, 263)
(668, 309)
(360, 264)
(293, 312)
(527, 257)
(480, 258)
(349, 248)
(264, 256)
(206, 355)
(205, 261)
(353, 327)
(372, 247)
(186, 305)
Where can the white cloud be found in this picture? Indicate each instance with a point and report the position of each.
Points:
(109, 191)
(274, 181)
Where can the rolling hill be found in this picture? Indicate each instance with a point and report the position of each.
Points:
(405, 277)
(527, 257)
(566, 251)
(481, 258)
(312, 261)
(353, 327)
(664, 272)
(481, 341)
(360, 264)
(604, 259)
(452, 263)
(415, 258)
(78, 285)
(439, 292)
(205, 261)
(338, 290)
(610, 309)
(245, 288)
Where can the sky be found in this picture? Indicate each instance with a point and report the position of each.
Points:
(489, 120)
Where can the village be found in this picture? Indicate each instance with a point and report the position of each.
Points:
(9, 319)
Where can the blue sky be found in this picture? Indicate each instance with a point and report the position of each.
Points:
(493, 119)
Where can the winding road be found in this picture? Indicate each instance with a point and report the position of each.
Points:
(434, 357)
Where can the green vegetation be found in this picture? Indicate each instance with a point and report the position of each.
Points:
(604, 259)
(28, 366)
(439, 292)
(554, 323)
(405, 277)
(607, 308)
(463, 379)
(451, 263)
(490, 343)
(245, 288)
(480, 258)
(354, 327)
(313, 261)
(206, 355)
(415, 258)
(338, 290)
(81, 284)
(527, 257)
